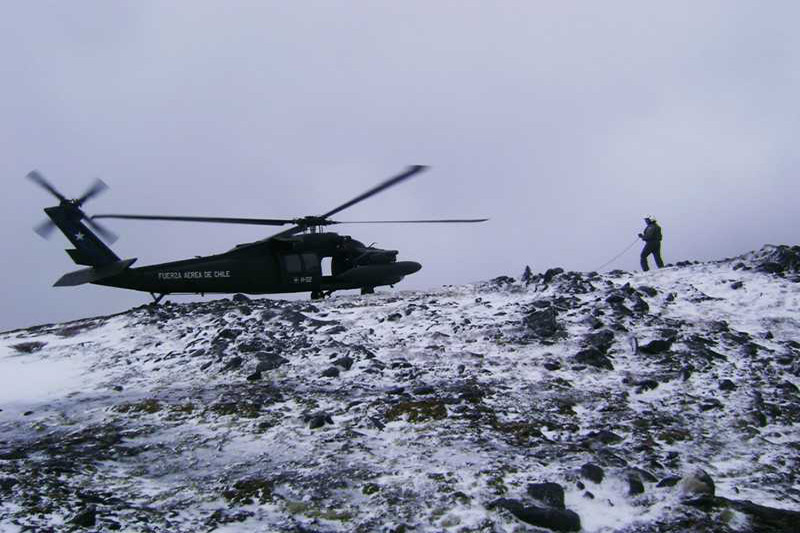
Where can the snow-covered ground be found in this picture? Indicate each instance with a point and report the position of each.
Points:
(411, 411)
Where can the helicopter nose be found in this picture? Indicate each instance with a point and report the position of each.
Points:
(404, 268)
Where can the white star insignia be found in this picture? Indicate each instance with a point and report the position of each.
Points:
(79, 236)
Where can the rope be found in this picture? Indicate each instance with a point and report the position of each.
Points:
(616, 256)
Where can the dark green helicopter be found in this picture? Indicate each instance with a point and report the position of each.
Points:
(289, 261)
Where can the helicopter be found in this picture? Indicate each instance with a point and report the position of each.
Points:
(287, 262)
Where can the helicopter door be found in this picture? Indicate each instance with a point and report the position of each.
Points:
(301, 269)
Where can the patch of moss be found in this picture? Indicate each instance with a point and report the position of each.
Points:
(416, 412)
(149, 406)
(246, 491)
(307, 510)
(370, 488)
(672, 435)
(186, 408)
(497, 485)
(242, 409)
(520, 432)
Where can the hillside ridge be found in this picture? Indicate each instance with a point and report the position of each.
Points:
(659, 401)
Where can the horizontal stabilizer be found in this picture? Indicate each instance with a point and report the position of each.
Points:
(80, 257)
(90, 275)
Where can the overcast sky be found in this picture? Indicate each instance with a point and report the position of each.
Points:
(564, 122)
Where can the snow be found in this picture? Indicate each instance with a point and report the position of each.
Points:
(144, 405)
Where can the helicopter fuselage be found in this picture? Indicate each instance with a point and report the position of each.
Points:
(275, 265)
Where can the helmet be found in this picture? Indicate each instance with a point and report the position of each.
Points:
(650, 218)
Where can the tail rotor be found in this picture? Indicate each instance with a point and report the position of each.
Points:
(45, 229)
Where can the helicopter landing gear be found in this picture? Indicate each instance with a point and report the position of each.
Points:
(317, 295)
(157, 299)
(367, 290)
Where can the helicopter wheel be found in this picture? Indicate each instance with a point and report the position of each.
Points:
(367, 290)
(317, 295)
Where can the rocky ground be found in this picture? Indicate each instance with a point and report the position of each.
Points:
(660, 401)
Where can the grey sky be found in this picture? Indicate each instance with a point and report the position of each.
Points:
(563, 123)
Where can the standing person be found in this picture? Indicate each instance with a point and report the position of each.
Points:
(652, 243)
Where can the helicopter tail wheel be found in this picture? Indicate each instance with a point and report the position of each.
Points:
(367, 290)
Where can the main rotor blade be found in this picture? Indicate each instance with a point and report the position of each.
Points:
(37, 178)
(375, 190)
(109, 236)
(97, 187)
(450, 220)
(45, 229)
(221, 220)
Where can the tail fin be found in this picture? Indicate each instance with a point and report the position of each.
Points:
(89, 249)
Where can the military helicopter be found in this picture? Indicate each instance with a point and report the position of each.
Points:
(287, 262)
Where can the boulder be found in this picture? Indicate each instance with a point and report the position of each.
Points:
(545, 517)
(594, 357)
(550, 494)
(592, 472)
(269, 361)
(542, 323)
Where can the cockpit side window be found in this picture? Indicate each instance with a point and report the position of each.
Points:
(292, 263)
(311, 263)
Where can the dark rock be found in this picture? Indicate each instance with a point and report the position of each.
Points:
(770, 268)
(394, 317)
(318, 420)
(594, 322)
(788, 387)
(645, 384)
(331, 372)
(602, 340)
(85, 518)
(635, 485)
(696, 484)
(543, 323)
(29, 347)
(7, 483)
(229, 333)
(727, 385)
(669, 481)
(552, 365)
(592, 472)
(550, 494)
(594, 357)
(233, 363)
(710, 403)
(423, 390)
(250, 346)
(763, 518)
(640, 306)
(656, 346)
(269, 361)
(737, 285)
(13, 455)
(554, 519)
(344, 362)
(649, 291)
(241, 298)
(551, 273)
(644, 475)
(605, 436)
(255, 376)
